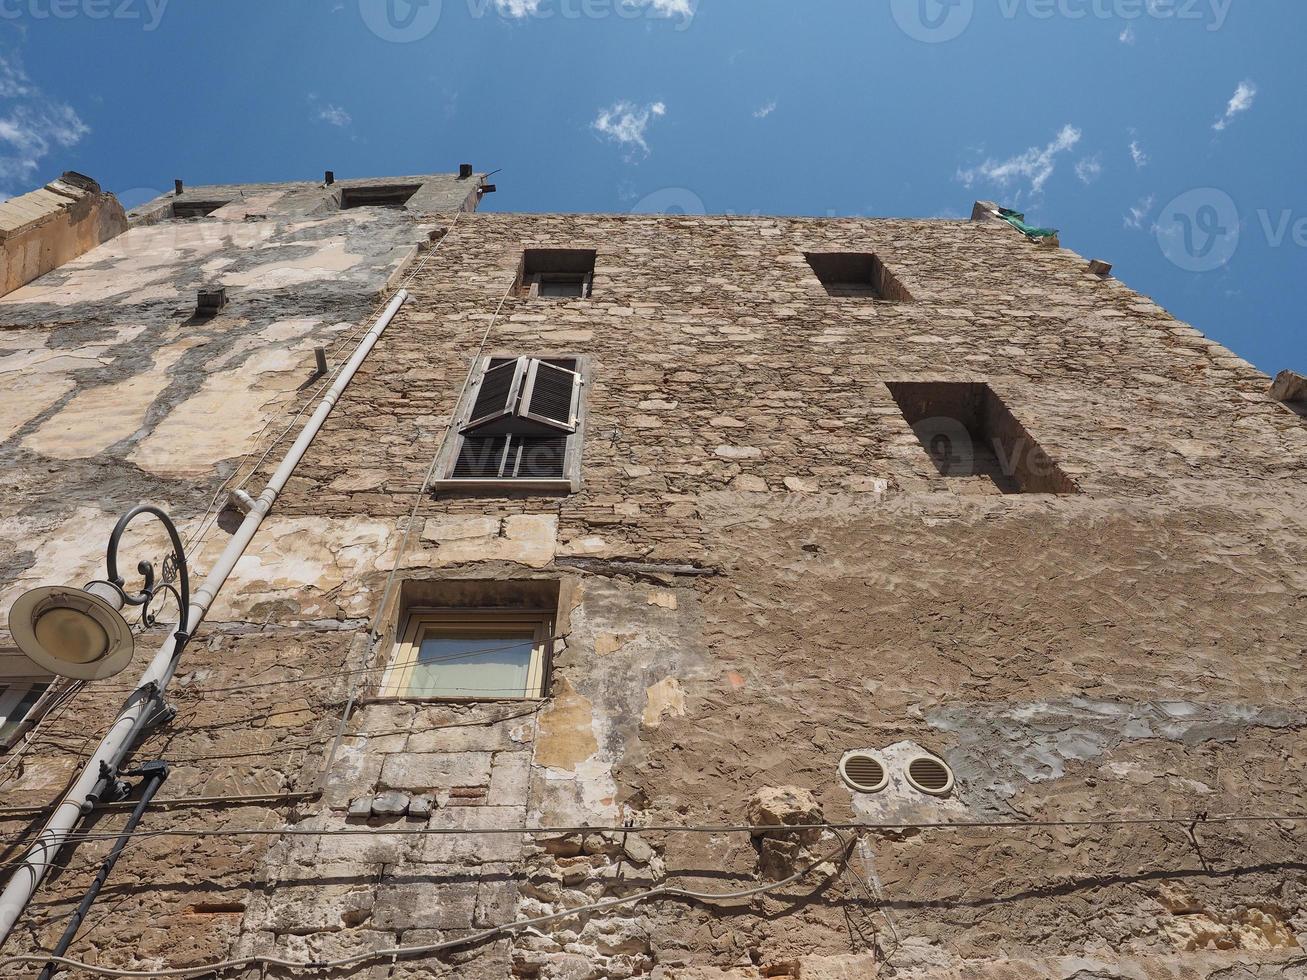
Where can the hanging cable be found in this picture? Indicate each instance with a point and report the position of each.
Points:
(1009, 825)
(265, 962)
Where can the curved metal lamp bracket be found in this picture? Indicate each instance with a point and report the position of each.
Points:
(174, 569)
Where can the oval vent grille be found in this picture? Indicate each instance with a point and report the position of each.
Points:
(863, 773)
(930, 775)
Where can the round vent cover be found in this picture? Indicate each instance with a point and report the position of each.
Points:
(862, 773)
(930, 775)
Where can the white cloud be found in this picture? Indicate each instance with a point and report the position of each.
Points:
(659, 8)
(1036, 165)
(1089, 169)
(1128, 36)
(335, 115)
(764, 111)
(1138, 155)
(625, 123)
(518, 8)
(665, 8)
(1241, 101)
(1139, 213)
(32, 126)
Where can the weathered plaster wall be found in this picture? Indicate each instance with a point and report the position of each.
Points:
(1128, 651)
(117, 392)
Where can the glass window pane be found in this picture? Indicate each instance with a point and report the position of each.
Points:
(473, 665)
(11, 719)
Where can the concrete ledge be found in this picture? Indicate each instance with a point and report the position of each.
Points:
(47, 227)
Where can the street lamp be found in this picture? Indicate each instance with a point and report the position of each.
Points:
(81, 633)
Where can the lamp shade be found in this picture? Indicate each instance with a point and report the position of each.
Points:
(72, 632)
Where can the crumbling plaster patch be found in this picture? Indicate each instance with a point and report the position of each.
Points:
(1002, 748)
(98, 417)
(309, 568)
(325, 259)
(525, 539)
(223, 418)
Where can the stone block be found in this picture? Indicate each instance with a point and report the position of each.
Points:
(510, 779)
(390, 804)
(433, 901)
(467, 846)
(425, 772)
(1289, 386)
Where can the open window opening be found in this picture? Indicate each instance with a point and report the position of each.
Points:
(473, 641)
(392, 196)
(970, 435)
(556, 273)
(184, 210)
(857, 274)
(521, 424)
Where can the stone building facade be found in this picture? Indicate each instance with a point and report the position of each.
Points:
(637, 535)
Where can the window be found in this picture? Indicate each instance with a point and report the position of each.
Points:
(18, 697)
(394, 196)
(521, 424)
(473, 655)
(971, 435)
(856, 274)
(556, 273)
(196, 209)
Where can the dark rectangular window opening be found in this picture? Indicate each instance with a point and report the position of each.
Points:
(970, 434)
(196, 209)
(857, 274)
(395, 196)
(556, 273)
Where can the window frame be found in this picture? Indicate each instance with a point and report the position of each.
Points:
(419, 622)
(570, 482)
(584, 279)
(17, 677)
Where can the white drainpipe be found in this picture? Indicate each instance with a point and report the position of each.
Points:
(117, 742)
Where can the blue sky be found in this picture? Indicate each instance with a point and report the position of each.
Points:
(1165, 136)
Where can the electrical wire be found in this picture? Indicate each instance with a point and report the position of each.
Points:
(418, 661)
(755, 829)
(265, 962)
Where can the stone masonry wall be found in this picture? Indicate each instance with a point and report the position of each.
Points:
(1120, 653)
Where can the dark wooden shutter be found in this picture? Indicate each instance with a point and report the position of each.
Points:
(539, 459)
(481, 459)
(551, 395)
(497, 396)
